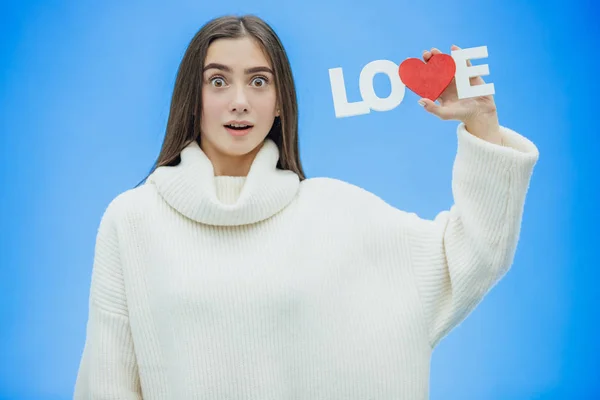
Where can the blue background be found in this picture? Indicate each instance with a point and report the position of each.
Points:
(85, 91)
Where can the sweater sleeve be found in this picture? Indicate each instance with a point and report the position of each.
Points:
(108, 366)
(461, 254)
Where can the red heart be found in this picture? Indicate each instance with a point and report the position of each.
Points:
(429, 79)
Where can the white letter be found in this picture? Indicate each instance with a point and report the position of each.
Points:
(367, 91)
(340, 99)
(464, 72)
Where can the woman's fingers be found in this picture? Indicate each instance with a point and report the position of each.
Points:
(442, 112)
(434, 50)
(455, 47)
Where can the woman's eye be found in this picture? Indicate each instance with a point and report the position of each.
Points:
(217, 82)
(259, 81)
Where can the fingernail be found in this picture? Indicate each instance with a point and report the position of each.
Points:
(421, 103)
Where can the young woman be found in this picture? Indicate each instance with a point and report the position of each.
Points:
(228, 275)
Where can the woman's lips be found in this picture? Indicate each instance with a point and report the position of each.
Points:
(238, 132)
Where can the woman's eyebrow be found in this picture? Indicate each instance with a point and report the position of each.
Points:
(225, 68)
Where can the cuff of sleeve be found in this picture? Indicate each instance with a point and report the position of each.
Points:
(475, 154)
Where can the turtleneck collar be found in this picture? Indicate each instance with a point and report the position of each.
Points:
(193, 190)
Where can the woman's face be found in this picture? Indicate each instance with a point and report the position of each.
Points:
(239, 100)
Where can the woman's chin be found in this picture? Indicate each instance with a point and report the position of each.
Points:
(243, 145)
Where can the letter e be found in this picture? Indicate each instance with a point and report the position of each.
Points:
(464, 72)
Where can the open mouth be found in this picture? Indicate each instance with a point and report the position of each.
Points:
(238, 127)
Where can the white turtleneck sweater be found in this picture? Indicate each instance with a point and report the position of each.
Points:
(267, 288)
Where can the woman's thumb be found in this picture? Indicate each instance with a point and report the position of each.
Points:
(435, 109)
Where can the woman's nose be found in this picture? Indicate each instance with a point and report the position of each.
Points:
(240, 102)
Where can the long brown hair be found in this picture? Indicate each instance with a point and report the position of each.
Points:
(183, 124)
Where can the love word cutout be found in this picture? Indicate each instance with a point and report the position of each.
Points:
(427, 80)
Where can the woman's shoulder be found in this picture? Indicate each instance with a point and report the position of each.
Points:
(337, 197)
(326, 185)
(129, 202)
(339, 192)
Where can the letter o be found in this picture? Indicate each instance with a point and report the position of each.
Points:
(367, 90)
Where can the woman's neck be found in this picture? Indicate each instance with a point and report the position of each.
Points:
(229, 165)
